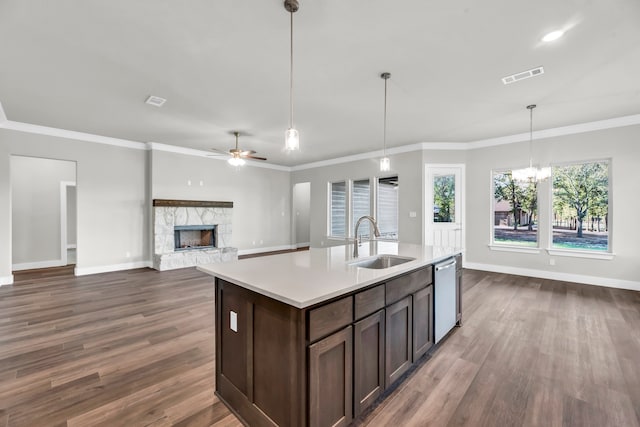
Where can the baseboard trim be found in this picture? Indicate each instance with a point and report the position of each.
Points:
(84, 271)
(554, 275)
(270, 249)
(37, 264)
(6, 280)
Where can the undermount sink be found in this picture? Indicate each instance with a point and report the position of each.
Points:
(381, 261)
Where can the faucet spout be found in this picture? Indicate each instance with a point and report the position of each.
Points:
(358, 239)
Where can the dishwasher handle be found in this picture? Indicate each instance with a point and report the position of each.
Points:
(445, 266)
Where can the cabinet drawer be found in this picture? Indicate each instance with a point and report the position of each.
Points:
(399, 288)
(369, 301)
(330, 317)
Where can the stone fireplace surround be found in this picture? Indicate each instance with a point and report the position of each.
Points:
(169, 213)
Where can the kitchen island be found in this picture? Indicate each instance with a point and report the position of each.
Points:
(313, 338)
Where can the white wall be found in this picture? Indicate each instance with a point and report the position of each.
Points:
(71, 215)
(301, 212)
(410, 170)
(261, 197)
(35, 210)
(112, 204)
(621, 146)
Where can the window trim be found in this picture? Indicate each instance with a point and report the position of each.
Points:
(581, 253)
(506, 247)
(377, 179)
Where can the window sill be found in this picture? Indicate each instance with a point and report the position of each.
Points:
(517, 249)
(581, 254)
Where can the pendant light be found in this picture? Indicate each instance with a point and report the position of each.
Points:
(385, 163)
(292, 137)
(531, 174)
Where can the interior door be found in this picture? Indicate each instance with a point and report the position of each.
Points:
(444, 210)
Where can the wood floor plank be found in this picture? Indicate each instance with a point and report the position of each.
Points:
(136, 348)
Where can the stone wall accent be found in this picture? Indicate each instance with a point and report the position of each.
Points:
(166, 217)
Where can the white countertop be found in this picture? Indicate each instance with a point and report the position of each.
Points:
(305, 278)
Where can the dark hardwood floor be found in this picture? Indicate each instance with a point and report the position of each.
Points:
(135, 348)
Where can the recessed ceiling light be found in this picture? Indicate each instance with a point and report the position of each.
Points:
(553, 35)
(156, 101)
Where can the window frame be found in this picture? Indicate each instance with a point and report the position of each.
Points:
(583, 253)
(376, 205)
(373, 205)
(505, 247)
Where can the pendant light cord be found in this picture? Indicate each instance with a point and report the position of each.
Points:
(291, 74)
(531, 137)
(384, 133)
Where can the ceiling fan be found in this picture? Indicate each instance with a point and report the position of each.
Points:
(238, 155)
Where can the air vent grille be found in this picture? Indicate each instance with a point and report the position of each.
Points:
(523, 75)
(156, 101)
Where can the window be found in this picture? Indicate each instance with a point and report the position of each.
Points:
(350, 200)
(515, 211)
(387, 203)
(444, 198)
(338, 209)
(361, 205)
(581, 206)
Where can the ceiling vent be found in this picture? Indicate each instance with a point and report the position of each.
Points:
(156, 101)
(522, 75)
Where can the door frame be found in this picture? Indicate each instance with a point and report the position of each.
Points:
(428, 198)
(63, 218)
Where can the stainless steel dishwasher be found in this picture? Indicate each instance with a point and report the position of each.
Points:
(445, 297)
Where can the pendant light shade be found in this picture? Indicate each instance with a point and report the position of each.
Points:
(292, 137)
(531, 174)
(385, 163)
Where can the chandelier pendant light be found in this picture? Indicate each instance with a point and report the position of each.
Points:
(531, 174)
(292, 137)
(385, 163)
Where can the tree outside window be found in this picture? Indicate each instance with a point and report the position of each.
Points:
(581, 206)
(515, 209)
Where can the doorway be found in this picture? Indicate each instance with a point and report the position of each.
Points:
(43, 212)
(444, 210)
(301, 209)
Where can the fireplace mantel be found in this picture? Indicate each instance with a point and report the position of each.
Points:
(191, 203)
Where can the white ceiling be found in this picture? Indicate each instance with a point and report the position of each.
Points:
(223, 65)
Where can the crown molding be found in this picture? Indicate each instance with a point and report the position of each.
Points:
(71, 134)
(616, 122)
(156, 146)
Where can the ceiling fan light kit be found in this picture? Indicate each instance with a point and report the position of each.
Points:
(292, 137)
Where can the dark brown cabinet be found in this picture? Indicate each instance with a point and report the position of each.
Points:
(398, 338)
(368, 358)
(324, 364)
(422, 321)
(330, 380)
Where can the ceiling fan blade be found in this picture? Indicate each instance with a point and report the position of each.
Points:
(247, 153)
(254, 157)
(217, 152)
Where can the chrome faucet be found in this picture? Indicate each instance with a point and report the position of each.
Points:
(358, 239)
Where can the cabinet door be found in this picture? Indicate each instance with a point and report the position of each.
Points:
(368, 350)
(422, 321)
(398, 339)
(459, 297)
(330, 380)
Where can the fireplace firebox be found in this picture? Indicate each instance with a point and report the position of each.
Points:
(189, 237)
